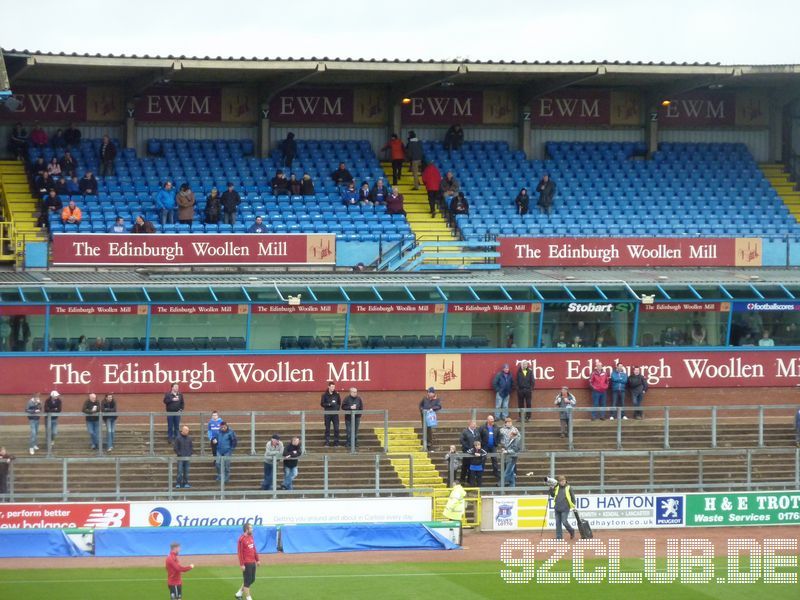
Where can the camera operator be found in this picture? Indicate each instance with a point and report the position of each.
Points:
(563, 502)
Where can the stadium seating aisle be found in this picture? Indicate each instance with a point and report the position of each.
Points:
(204, 164)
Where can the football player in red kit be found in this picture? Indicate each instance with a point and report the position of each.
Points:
(248, 560)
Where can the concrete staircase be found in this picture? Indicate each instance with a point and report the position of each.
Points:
(779, 179)
(404, 442)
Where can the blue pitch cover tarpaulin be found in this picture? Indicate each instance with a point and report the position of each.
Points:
(37, 543)
(296, 539)
(155, 541)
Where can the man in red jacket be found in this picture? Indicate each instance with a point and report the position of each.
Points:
(599, 383)
(432, 179)
(175, 571)
(248, 560)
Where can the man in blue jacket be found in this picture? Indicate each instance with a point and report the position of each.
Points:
(619, 384)
(503, 383)
(165, 202)
(214, 424)
(226, 442)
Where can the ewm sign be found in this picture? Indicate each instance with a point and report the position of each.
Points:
(40, 103)
(573, 107)
(444, 107)
(187, 104)
(312, 106)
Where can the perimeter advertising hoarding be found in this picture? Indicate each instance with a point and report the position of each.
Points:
(743, 508)
(630, 252)
(308, 372)
(279, 512)
(604, 511)
(64, 515)
(88, 249)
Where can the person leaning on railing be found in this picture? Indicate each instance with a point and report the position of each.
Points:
(565, 401)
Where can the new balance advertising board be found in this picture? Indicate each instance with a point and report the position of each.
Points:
(65, 515)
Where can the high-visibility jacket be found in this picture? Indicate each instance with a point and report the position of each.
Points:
(567, 493)
(456, 505)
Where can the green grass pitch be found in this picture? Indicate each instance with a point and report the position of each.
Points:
(462, 580)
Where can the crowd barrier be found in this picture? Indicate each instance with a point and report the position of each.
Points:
(155, 541)
(37, 543)
(296, 539)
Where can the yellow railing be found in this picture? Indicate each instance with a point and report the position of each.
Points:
(8, 242)
(472, 503)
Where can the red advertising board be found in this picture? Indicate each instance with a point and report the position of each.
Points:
(312, 106)
(572, 107)
(152, 374)
(98, 309)
(395, 309)
(672, 307)
(65, 515)
(699, 109)
(198, 309)
(21, 309)
(509, 307)
(630, 252)
(44, 103)
(199, 249)
(300, 309)
(180, 104)
(444, 107)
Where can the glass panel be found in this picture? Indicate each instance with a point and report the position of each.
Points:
(521, 293)
(296, 291)
(794, 289)
(360, 294)
(491, 329)
(130, 294)
(33, 294)
(710, 292)
(396, 294)
(268, 294)
(197, 294)
(64, 294)
(553, 293)
(298, 331)
(230, 294)
(616, 293)
(397, 330)
(772, 292)
(426, 294)
(490, 293)
(679, 292)
(199, 330)
(97, 331)
(328, 294)
(682, 326)
(766, 328)
(22, 331)
(588, 324)
(10, 295)
(455, 294)
(743, 292)
(163, 294)
(96, 295)
(585, 293)
(648, 290)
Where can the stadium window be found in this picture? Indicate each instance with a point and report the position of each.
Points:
(196, 326)
(95, 328)
(588, 324)
(683, 324)
(396, 326)
(484, 325)
(301, 327)
(22, 328)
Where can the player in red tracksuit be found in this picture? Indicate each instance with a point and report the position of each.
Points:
(248, 560)
(175, 571)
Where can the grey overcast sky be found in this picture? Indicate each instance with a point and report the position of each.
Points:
(726, 31)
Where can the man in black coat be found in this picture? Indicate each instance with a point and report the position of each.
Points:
(546, 189)
(230, 203)
(341, 176)
(353, 404)
(183, 450)
(289, 149)
(468, 438)
(174, 405)
(52, 408)
(525, 385)
(331, 402)
(490, 441)
(107, 155)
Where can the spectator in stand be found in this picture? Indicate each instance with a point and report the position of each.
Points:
(430, 403)
(142, 226)
(185, 201)
(490, 441)
(18, 142)
(52, 408)
(69, 165)
(290, 455)
(397, 155)
(349, 194)
(561, 340)
(214, 424)
(272, 453)
(109, 410)
(511, 449)
(73, 185)
(225, 446)
(766, 340)
(61, 186)
(432, 179)
(71, 214)
(459, 205)
(522, 202)
(165, 203)
(213, 207)
(331, 402)
(118, 226)
(352, 405)
(279, 184)
(379, 192)
(91, 408)
(34, 409)
(477, 462)
(451, 468)
(258, 226)
(506, 429)
(525, 384)
(454, 138)
(20, 333)
(469, 436)
(72, 136)
(638, 385)
(619, 386)
(82, 345)
(184, 449)
(38, 137)
(599, 381)
(5, 462)
(51, 205)
(53, 168)
(394, 203)
(175, 571)
(698, 334)
(58, 141)
(107, 155)
(295, 187)
(88, 184)
(364, 194)
(39, 165)
(289, 150)
(174, 405)
(307, 185)
(502, 384)
(547, 190)
(577, 342)
(341, 176)
(230, 204)
(565, 401)
(415, 154)
(449, 188)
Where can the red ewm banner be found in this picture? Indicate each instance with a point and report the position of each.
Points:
(196, 249)
(64, 515)
(312, 106)
(573, 107)
(386, 372)
(43, 103)
(203, 105)
(630, 252)
(699, 109)
(444, 107)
